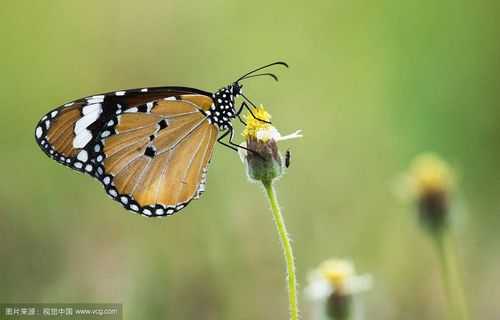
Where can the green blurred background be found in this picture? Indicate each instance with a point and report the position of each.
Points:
(371, 83)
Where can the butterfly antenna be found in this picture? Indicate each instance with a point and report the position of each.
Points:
(272, 75)
(281, 63)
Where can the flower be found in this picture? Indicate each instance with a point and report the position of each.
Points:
(336, 276)
(264, 131)
(429, 174)
(430, 183)
(333, 287)
(260, 150)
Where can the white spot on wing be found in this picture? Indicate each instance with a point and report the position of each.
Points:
(83, 156)
(120, 93)
(170, 98)
(144, 90)
(38, 132)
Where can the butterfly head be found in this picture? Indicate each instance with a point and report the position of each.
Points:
(236, 89)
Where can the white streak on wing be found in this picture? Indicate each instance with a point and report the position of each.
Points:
(82, 139)
(134, 109)
(170, 98)
(92, 108)
(94, 100)
(83, 135)
(85, 121)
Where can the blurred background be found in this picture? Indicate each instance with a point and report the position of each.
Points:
(371, 83)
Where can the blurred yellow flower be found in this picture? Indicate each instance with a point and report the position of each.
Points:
(429, 184)
(429, 174)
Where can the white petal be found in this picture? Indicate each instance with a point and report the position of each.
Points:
(242, 152)
(270, 133)
(318, 289)
(357, 284)
(297, 134)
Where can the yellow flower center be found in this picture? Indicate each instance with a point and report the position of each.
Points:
(337, 272)
(430, 174)
(255, 124)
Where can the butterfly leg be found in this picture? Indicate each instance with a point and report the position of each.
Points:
(238, 114)
(219, 140)
(232, 145)
(245, 105)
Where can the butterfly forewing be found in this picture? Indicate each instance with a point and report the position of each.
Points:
(149, 147)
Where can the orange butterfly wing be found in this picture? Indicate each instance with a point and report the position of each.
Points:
(149, 147)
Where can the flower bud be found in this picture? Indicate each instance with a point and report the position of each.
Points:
(431, 184)
(264, 163)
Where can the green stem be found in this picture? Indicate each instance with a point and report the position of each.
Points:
(451, 276)
(287, 249)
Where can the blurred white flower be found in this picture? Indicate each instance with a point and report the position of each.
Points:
(336, 276)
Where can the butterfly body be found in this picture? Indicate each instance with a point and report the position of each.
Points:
(223, 111)
(149, 147)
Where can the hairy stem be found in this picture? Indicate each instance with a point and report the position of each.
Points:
(287, 249)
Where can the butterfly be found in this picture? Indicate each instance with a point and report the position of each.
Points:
(150, 147)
